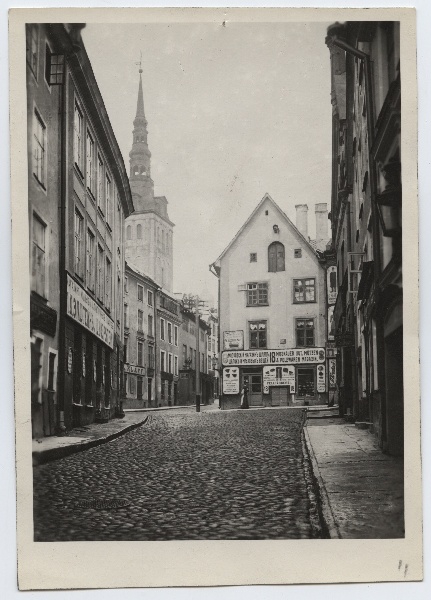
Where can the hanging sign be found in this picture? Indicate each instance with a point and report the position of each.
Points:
(233, 340)
(283, 375)
(331, 284)
(274, 357)
(332, 372)
(321, 378)
(331, 323)
(231, 380)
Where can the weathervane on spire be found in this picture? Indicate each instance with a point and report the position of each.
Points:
(140, 63)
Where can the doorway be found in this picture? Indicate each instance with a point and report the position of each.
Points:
(254, 383)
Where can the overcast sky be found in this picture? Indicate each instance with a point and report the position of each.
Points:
(233, 112)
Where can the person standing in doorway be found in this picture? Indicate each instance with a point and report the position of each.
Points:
(244, 396)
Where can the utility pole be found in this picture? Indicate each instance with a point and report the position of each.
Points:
(197, 366)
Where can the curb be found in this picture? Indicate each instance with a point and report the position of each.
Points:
(327, 515)
(45, 456)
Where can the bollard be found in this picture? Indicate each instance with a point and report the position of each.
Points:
(198, 403)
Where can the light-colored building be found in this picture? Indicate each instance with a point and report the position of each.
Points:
(272, 310)
(168, 321)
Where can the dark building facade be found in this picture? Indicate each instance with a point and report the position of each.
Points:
(366, 225)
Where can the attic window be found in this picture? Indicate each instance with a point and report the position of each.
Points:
(297, 253)
(253, 256)
(266, 213)
(54, 67)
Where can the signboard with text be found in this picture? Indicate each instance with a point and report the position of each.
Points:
(283, 375)
(331, 284)
(321, 378)
(231, 380)
(134, 370)
(273, 357)
(233, 340)
(332, 372)
(331, 324)
(84, 310)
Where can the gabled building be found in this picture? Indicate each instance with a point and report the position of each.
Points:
(272, 310)
(366, 225)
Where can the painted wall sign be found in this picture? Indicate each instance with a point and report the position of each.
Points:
(233, 340)
(231, 380)
(274, 357)
(83, 309)
(332, 373)
(283, 375)
(134, 369)
(321, 378)
(331, 323)
(331, 284)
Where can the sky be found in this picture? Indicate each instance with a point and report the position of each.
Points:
(233, 112)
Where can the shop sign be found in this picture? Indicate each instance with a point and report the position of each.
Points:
(134, 370)
(331, 284)
(331, 323)
(274, 357)
(283, 375)
(233, 340)
(332, 373)
(69, 360)
(231, 380)
(83, 309)
(321, 378)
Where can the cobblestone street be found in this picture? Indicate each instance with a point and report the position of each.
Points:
(213, 475)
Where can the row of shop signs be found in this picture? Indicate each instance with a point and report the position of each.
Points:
(273, 357)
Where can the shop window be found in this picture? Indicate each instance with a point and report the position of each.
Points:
(304, 332)
(38, 259)
(304, 290)
(257, 334)
(306, 386)
(39, 149)
(257, 294)
(276, 257)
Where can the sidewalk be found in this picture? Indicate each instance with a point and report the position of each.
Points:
(361, 489)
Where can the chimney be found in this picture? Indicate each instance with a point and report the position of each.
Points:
(302, 219)
(322, 235)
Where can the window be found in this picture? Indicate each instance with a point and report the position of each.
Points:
(140, 320)
(38, 267)
(304, 290)
(100, 181)
(192, 365)
(126, 285)
(276, 257)
(150, 298)
(253, 257)
(162, 329)
(79, 225)
(90, 260)
(140, 388)
(184, 355)
(169, 363)
(170, 333)
(126, 315)
(132, 381)
(305, 379)
(140, 293)
(162, 360)
(31, 35)
(90, 163)
(129, 232)
(257, 294)
(140, 354)
(100, 276)
(78, 139)
(108, 199)
(108, 283)
(125, 349)
(151, 357)
(139, 232)
(54, 67)
(202, 363)
(150, 325)
(297, 253)
(304, 332)
(175, 335)
(39, 148)
(257, 334)
(175, 365)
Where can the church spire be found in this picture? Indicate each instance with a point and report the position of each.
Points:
(140, 155)
(140, 106)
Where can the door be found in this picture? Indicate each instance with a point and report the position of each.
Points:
(254, 384)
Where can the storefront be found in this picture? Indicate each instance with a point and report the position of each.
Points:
(282, 377)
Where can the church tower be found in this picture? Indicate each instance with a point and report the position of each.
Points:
(149, 231)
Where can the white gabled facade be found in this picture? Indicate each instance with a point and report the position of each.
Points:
(272, 294)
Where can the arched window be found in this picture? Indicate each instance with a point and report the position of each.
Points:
(129, 232)
(139, 232)
(276, 257)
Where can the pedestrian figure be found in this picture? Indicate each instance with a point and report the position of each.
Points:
(244, 396)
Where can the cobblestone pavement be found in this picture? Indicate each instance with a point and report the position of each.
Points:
(214, 475)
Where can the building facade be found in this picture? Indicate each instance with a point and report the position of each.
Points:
(272, 308)
(77, 243)
(366, 225)
(140, 344)
(168, 321)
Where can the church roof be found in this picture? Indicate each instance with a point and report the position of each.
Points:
(140, 112)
